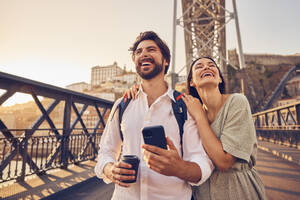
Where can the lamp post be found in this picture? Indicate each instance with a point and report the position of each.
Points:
(240, 49)
(173, 74)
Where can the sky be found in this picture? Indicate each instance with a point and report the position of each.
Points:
(58, 41)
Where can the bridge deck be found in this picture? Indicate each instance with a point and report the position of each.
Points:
(287, 153)
(280, 176)
(52, 182)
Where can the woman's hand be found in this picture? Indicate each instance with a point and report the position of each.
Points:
(194, 106)
(131, 92)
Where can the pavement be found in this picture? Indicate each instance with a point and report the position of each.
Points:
(91, 189)
(281, 178)
(290, 154)
(79, 181)
(38, 187)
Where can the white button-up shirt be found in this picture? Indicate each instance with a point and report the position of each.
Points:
(150, 184)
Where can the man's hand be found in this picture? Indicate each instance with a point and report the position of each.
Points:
(115, 171)
(166, 162)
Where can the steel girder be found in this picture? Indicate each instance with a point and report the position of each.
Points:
(281, 124)
(63, 147)
(204, 30)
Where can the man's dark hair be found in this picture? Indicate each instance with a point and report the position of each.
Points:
(150, 35)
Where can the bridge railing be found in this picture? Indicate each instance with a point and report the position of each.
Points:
(279, 125)
(38, 150)
(68, 130)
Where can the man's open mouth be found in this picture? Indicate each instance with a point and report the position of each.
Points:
(146, 62)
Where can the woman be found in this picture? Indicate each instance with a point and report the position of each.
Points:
(227, 132)
(225, 125)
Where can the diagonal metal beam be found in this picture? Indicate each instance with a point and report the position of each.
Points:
(7, 94)
(9, 136)
(43, 117)
(283, 117)
(13, 84)
(41, 107)
(101, 116)
(96, 127)
(35, 126)
(7, 160)
(291, 114)
(53, 155)
(85, 147)
(79, 118)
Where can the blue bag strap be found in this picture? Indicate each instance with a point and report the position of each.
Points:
(180, 113)
(122, 107)
(179, 109)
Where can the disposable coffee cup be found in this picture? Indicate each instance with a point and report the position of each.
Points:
(134, 161)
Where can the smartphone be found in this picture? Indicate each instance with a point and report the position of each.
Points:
(155, 135)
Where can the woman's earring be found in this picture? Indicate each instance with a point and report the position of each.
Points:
(192, 83)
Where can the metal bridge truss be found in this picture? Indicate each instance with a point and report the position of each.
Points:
(204, 24)
(35, 150)
(280, 125)
(294, 71)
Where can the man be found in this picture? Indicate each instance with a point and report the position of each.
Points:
(163, 174)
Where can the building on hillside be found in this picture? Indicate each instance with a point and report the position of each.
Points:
(102, 74)
(128, 77)
(91, 118)
(110, 96)
(78, 87)
(263, 59)
(182, 78)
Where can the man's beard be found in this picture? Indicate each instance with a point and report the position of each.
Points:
(149, 75)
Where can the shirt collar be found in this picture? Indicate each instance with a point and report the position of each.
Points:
(168, 93)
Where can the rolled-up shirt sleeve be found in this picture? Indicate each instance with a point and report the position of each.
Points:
(110, 144)
(194, 151)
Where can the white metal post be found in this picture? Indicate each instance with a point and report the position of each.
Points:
(240, 49)
(173, 74)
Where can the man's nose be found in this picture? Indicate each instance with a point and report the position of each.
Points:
(144, 54)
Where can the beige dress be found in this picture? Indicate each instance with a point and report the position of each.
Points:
(234, 127)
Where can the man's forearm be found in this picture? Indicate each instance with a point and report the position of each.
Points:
(189, 171)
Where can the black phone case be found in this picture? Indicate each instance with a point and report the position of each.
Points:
(155, 135)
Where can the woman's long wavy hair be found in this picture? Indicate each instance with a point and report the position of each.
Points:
(192, 90)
